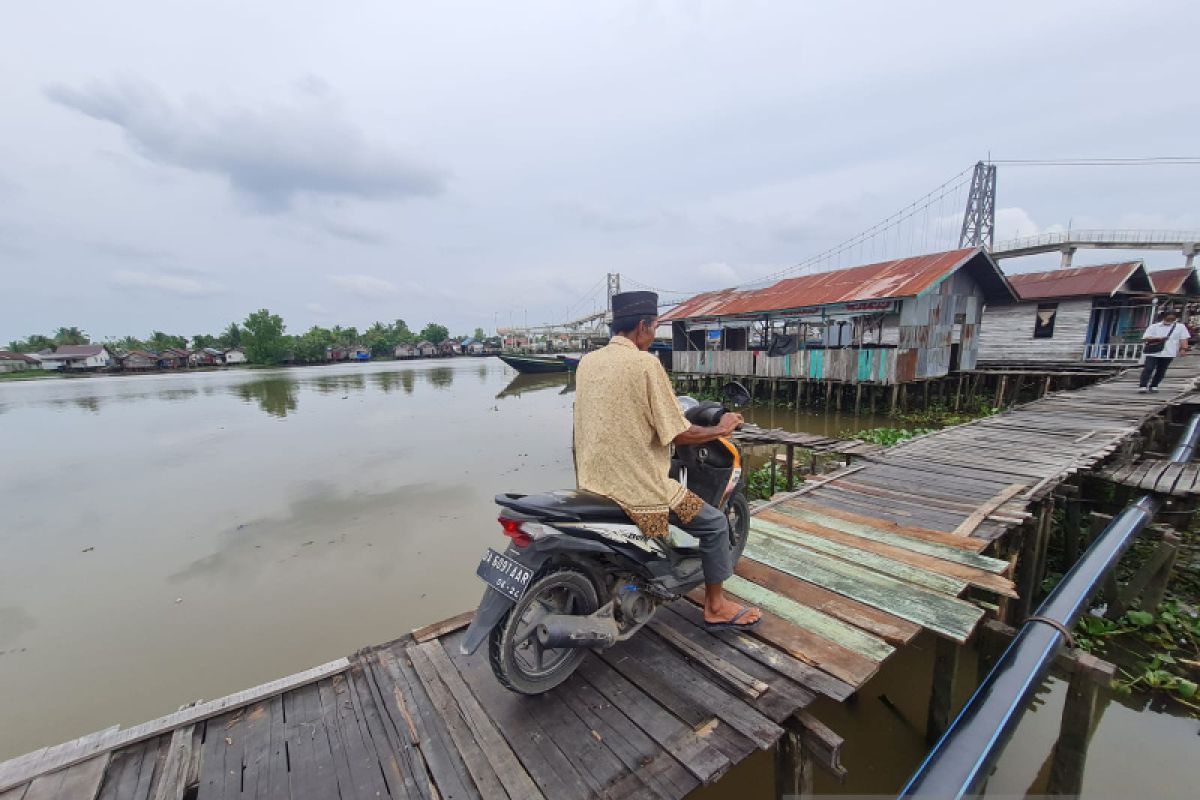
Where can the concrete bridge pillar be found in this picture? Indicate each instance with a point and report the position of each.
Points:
(1189, 253)
(1068, 253)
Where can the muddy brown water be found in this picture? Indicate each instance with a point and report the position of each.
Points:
(167, 538)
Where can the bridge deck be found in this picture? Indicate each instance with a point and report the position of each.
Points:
(848, 569)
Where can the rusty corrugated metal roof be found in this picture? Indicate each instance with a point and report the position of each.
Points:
(1181, 280)
(905, 277)
(1092, 281)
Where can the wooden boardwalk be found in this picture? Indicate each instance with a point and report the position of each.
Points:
(847, 569)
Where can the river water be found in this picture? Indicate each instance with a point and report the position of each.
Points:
(167, 538)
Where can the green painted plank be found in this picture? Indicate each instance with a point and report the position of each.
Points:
(948, 616)
(943, 551)
(817, 622)
(945, 584)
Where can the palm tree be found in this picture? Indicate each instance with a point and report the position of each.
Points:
(231, 336)
(70, 335)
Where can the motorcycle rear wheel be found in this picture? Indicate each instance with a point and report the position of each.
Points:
(519, 662)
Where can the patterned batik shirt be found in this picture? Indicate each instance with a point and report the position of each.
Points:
(626, 417)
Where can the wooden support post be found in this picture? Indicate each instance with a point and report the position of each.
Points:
(828, 393)
(1028, 577)
(1046, 386)
(895, 397)
(925, 397)
(1071, 524)
(1080, 715)
(789, 470)
(994, 638)
(774, 465)
(1152, 597)
(773, 384)
(1000, 387)
(941, 699)
(857, 398)
(958, 393)
(793, 765)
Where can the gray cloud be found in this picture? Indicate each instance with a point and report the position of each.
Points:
(270, 154)
(165, 283)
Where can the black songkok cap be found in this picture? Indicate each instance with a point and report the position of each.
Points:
(634, 304)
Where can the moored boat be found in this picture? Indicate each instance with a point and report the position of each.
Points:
(535, 364)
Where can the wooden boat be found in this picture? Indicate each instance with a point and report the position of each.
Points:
(571, 361)
(535, 364)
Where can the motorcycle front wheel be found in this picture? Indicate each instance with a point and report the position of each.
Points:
(737, 510)
(519, 661)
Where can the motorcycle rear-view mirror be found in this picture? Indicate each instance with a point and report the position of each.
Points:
(735, 394)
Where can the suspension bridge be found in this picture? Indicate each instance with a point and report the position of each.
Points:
(959, 212)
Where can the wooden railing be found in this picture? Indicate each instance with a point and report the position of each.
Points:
(1114, 351)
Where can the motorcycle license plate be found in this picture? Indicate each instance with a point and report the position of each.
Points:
(503, 574)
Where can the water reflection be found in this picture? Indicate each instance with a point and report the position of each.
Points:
(276, 395)
(440, 377)
(177, 394)
(522, 383)
(390, 381)
(331, 384)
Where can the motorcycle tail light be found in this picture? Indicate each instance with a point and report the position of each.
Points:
(512, 529)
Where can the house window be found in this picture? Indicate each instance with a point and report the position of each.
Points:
(1043, 324)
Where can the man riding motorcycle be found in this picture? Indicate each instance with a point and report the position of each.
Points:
(626, 419)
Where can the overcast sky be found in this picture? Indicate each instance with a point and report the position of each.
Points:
(175, 165)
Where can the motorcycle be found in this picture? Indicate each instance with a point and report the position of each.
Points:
(577, 574)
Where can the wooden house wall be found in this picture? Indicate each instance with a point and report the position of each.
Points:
(1006, 333)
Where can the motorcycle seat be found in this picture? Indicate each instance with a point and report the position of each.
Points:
(564, 506)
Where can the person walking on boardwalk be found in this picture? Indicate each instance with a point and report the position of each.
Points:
(1164, 339)
(626, 419)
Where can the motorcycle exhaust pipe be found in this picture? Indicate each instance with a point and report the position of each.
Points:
(566, 630)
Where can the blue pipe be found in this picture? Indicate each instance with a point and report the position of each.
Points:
(962, 759)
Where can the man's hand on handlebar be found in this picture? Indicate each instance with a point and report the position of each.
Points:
(729, 422)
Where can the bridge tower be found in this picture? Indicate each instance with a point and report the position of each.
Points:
(979, 219)
(614, 287)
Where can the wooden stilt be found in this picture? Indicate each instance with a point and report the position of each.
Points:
(857, 398)
(1028, 577)
(789, 477)
(793, 765)
(895, 397)
(925, 396)
(1079, 718)
(1071, 523)
(1000, 387)
(941, 700)
(1153, 596)
(958, 393)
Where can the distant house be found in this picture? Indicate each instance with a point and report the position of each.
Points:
(1177, 288)
(426, 349)
(405, 351)
(472, 347)
(359, 352)
(207, 357)
(1094, 313)
(450, 348)
(235, 356)
(493, 346)
(174, 358)
(78, 357)
(139, 361)
(17, 362)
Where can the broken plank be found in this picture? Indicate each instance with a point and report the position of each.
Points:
(980, 514)
(438, 629)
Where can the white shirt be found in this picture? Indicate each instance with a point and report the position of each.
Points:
(1162, 330)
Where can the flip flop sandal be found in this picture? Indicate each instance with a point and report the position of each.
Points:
(732, 623)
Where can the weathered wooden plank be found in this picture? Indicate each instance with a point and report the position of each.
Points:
(878, 550)
(427, 632)
(428, 729)
(901, 570)
(692, 749)
(456, 724)
(77, 782)
(868, 618)
(349, 735)
(640, 755)
(967, 556)
(777, 658)
(508, 762)
(861, 525)
(650, 652)
(979, 515)
(255, 746)
(20, 770)
(396, 768)
(941, 613)
(816, 622)
(742, 683)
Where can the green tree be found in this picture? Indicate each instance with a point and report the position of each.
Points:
(312, 346)
(127, 343)
(479, 335)
(263, 339)
(160, 341)
(231, 336)
(203, 340)
(380, 339)
(71, 335)
(435, 333)
(33, 344)
(402, 333)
